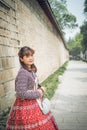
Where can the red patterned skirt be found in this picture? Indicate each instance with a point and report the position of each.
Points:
(26, 115)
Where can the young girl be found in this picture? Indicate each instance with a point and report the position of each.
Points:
(26, 113)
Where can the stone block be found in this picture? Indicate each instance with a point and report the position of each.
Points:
(7, 75)
(9, 86)
(2, 91)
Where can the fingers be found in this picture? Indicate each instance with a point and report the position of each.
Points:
(40, 91)
(43, 89)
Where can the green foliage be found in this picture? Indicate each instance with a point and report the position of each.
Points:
(75, 45)
(51, 83)
(3, 118)
(84, 33)
(85, 6)
(64, 18)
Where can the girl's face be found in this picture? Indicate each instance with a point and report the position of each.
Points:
(28, 60)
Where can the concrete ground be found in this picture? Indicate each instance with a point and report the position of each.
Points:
(69, 104)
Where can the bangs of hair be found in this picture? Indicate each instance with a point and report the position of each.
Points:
(25, 51)
(28, 52)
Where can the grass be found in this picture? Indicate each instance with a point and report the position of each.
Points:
(51, 84)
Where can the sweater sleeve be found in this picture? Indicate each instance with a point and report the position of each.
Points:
(21, 83)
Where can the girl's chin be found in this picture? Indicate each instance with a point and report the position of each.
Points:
(31, 63)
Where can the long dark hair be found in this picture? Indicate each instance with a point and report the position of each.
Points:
(26, 51)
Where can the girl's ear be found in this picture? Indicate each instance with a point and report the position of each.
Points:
(21, 59)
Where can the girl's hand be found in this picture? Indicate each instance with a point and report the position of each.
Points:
(40, 91)
(43, 89)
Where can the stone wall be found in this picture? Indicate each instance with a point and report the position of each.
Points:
(9, 45)
(23, 22)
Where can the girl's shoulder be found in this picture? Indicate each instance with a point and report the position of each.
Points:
(22, 72)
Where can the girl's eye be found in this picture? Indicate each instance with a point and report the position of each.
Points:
(31, 55)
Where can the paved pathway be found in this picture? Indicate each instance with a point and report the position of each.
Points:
(69, 104)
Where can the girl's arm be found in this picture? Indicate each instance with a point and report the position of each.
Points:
(21, 87)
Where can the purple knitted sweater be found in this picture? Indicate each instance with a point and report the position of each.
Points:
(24, 85)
